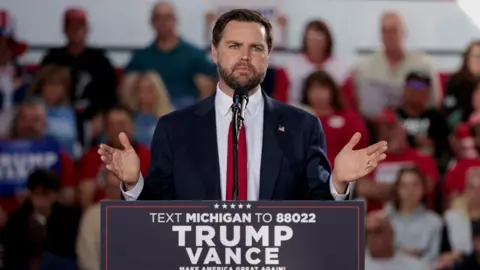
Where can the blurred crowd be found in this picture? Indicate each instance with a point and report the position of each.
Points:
(423, 201)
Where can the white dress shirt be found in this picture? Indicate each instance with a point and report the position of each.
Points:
(254, 131)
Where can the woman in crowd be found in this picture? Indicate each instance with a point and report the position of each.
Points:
(317, 54)
(149, 99)
(52, 84)
(418, 230)
(321, 94)
(459, 222)
(461, 85)
(124, 91)
(464, 210)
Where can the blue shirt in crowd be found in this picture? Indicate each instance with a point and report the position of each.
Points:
(144, 127)
(62, 125)
(177, 68)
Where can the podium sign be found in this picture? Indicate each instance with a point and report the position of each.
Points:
(263, 235)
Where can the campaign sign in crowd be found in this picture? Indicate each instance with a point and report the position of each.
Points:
(18, 159)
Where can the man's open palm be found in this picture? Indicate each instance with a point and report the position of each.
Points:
(125, 163)
(351, 165)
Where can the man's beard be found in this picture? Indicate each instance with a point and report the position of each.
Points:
(233, 81)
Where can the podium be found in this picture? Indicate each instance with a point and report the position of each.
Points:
(232, 235)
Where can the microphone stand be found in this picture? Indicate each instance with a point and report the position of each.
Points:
(237, 122)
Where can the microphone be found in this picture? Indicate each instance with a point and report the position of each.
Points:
(240, 101)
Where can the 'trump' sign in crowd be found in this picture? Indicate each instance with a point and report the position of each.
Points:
(20, 158)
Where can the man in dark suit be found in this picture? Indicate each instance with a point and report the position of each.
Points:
(191, 148)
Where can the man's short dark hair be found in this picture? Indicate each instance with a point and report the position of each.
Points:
(44, 179)
(241, 15)
(120, 108)
(28, 102)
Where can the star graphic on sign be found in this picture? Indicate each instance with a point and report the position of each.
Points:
(240, 206)
(232, 206)
(216, 206)
(224, 206)
(248, 206)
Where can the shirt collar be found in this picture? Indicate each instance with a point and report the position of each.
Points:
(223, 102)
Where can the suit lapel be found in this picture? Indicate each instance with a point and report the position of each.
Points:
(204, 138)
(271, 151)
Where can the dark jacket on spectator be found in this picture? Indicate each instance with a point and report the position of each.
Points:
(93, 82)
(99, 84)
(469, 262)
(458, 96)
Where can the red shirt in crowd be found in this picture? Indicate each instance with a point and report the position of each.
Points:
(348, 91)
(67, 176)
(387, 170)
(90, 165)
(457, 175)
(280, 91)
(339, 128)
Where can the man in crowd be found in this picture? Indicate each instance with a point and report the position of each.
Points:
(399, 155)
(381, 253)
(185, 69)
(379, 79)
(117, 119)
(427, 129)
(42, 232)
(30, 124)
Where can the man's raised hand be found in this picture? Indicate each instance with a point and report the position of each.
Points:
(124, 164)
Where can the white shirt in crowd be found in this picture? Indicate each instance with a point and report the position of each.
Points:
(399, 261)
(254, 131)
(298, 68)
(379, 86)
(88, 246)
(459, 231)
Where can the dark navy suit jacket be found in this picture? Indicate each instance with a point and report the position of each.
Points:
(184, 155)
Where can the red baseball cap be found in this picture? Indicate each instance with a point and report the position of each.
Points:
(75, 15)
(462, 131)
(7, 30)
